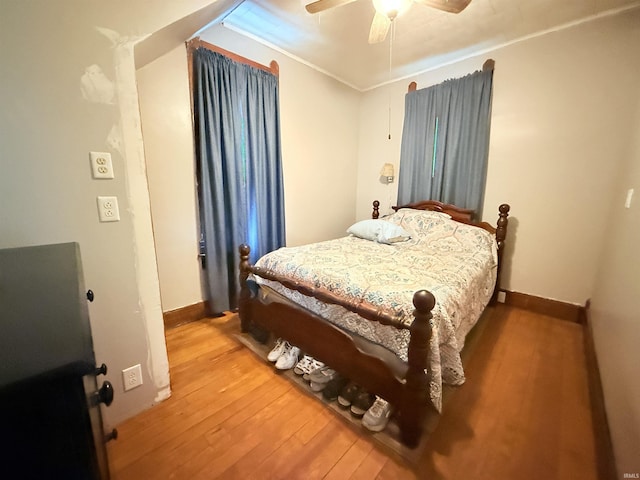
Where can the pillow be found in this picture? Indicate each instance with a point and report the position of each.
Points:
(424, 213)
(379, 231)
(418, 223)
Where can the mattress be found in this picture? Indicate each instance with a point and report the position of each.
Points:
(456, 262)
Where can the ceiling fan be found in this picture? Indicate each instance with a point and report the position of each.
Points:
(388, 10)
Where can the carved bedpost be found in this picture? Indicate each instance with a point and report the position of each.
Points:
(245, 294)
(415, 394)
(501, 234)
(376, 211)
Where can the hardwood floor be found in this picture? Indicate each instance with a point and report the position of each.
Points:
(523, 413)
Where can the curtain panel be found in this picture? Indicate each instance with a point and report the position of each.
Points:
(445, 142)
(239, 168)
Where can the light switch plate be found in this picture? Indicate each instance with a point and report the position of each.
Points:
(101, 165)
(627, 202)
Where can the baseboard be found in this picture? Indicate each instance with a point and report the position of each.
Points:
(545, 306)
(187, 314)
(602, 435)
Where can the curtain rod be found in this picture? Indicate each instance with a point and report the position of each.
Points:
(273, 67)
(489, 64)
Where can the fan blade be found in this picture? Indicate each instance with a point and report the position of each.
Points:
(451, 6)
(322, 5)
(379, 28)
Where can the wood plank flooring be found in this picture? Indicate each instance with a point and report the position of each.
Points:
(524, 412)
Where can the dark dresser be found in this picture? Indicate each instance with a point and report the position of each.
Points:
(50, 418)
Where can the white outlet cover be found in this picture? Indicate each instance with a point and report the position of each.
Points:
(132, 377)
(101, 165)
(108, 209)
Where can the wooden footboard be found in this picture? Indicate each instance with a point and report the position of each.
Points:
(404, 385)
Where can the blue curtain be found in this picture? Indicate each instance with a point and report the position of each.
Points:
(240, 188)
(445, 142)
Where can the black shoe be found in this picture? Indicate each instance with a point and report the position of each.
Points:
(334, 387)
(362, 403)
(348, 394)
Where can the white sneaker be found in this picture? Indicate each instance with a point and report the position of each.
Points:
(288, 358)
(303, 365)
(277, 350)
(377, 417)
(315, 365)
(307, 365)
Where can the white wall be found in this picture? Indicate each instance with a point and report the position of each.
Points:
(615, 310)
(163, 89)
(48, 126)
(376, 149)
(561, 125)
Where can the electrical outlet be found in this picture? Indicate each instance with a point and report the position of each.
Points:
(502, 296)
(101, 165)
(132, 377)
(108, 209)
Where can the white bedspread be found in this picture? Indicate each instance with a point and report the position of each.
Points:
(454, 261)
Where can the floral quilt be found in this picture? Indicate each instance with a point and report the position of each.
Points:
(455, 262)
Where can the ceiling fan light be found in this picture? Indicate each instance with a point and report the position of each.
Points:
(392, 8)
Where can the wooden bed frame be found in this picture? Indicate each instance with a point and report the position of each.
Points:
(403, 384)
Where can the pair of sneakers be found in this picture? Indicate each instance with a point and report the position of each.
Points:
(284, 355)
(307, 365)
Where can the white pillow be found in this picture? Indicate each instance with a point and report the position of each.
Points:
(379, 231)
(418, 223)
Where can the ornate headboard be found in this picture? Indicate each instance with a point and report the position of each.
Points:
(456, 213)
(463, 215)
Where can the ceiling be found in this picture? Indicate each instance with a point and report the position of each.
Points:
(336, 41)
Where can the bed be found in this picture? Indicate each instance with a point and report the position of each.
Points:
(390, 316)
